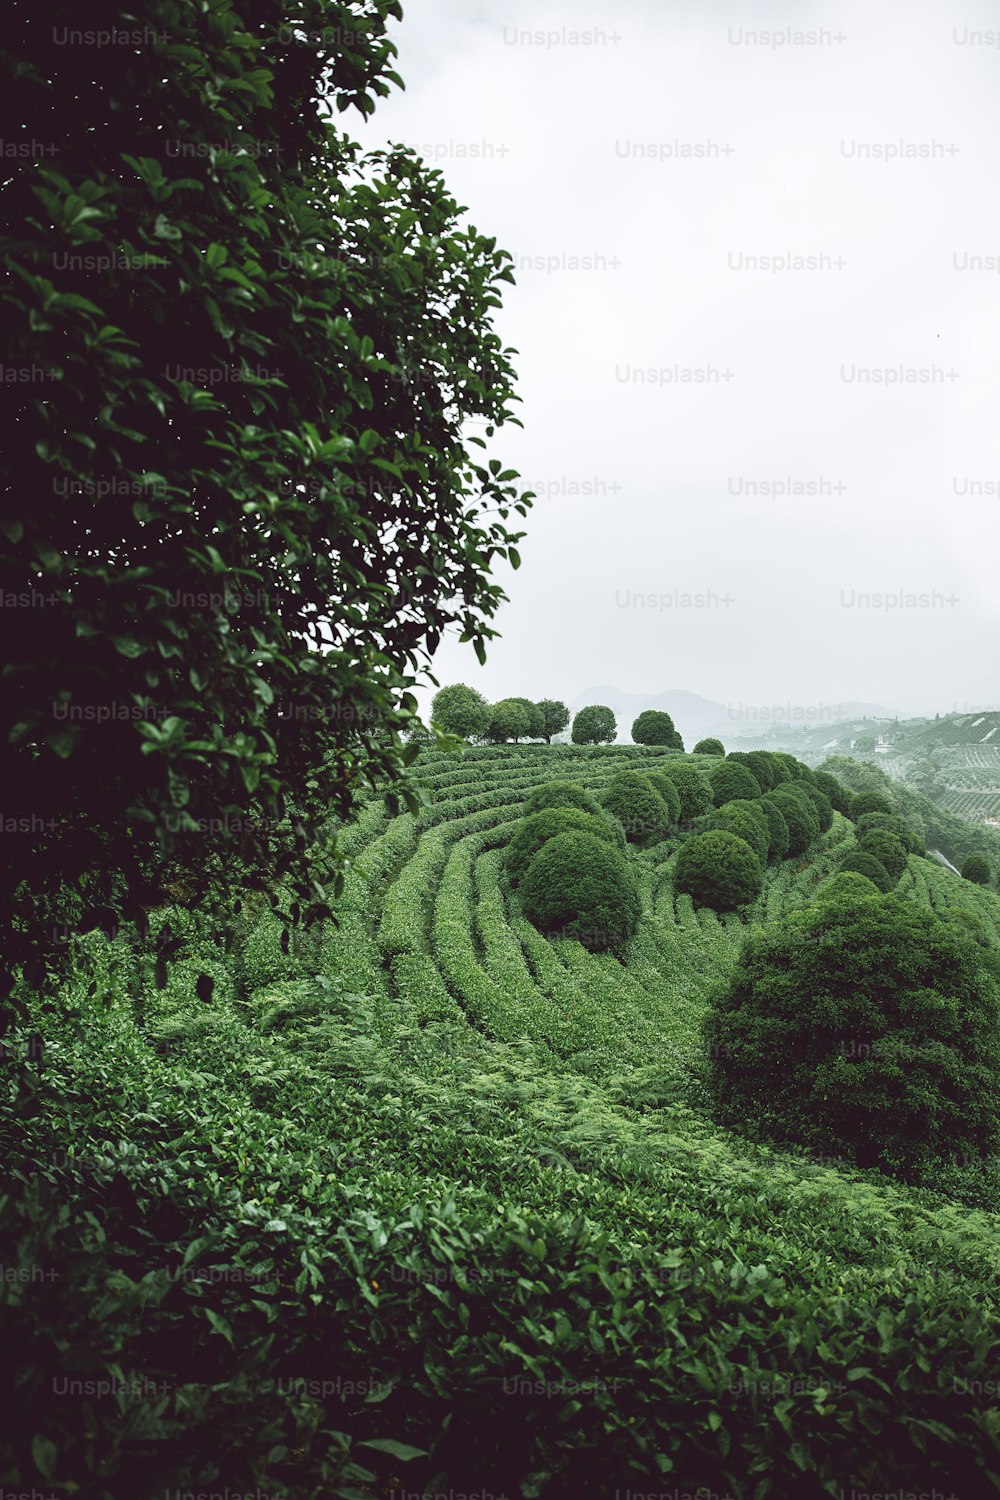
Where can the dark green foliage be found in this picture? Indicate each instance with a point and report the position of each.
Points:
(561, 794)
(578, 886)
(748, 821)
(863, 863)
(887, 849)
(461, 710)
(847, 885)
(866, 802)
(761, 767)
(866, 1028)
(719, 870)
(510, 719)
(536, 719)
(822, 804)
(779, 770)
(692, 787)
(595, 725)
(838, 794)
(976, 869)
(535, 831)
(667, 788)
(709, 746)
(555, 717)
(655, 728)
(633, 799)
(799, 813)
(777, 828)
(891, 823)
(242, 473)
(731, 781)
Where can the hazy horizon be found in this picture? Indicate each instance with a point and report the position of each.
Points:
(641, 143)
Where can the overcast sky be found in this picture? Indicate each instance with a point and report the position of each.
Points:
(676, 144)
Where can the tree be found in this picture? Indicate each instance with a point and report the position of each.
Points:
(747, 821)
(709, 747)
(241, 477)
(532, 833)
(577, 886)
(777, 828)
(847, 885)
(761, 767)
(887, 849)
(886, 1028)
(976, 869)
(866, 802)
(536, 719)
(509, 720)
(731, 781)
(638, 806)
(460, 710)
(667, 788)
(799, 814)
(655, 728)
(822, 804)
(892, 823)
(719, 870)
(560, 794)
(835, 791)
(555, 717)
(595, 725)
(692, 787)
(861, 862)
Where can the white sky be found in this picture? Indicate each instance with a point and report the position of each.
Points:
(570, 183)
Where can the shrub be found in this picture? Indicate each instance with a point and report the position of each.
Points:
(692, 788)
(461, 710)
(778, 836)
(976, 869)
(595, 725)
(633, 799)
(667, 789)
(847, 885)
(866, 864)
(779, 771)
(561, 794)
(890, 823)
(577, 886)
(719, 870)
(732, 782)
(748, 821)
(655, 728)
(822, 804)
(761, 767)
(864, 1028)
(866, 802)
(532, 833)
(887, 849)
(838, 794)
(709, 747)
(801, 816)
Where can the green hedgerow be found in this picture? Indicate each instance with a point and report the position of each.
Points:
(578, 886)
(863, 1028)
(719, 870)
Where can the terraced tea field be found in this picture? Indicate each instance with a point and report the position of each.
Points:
(480, 1173)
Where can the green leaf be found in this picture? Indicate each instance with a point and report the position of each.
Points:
(220, 1325)
(45, 1453)
(402, 1451)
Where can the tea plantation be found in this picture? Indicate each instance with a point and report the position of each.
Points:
(423, 1201)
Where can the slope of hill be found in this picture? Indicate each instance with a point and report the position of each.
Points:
(420, 1199)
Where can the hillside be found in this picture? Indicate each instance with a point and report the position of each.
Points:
(421, 1199)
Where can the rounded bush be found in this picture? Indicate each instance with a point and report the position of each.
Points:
(535, 831)
(761, 768)
(668, 791)
(837, 793)
(864, 1028)
(779, 771)
(656, 728)
(777, 828)
(578, 886)
(732, 782)
(847, 885)
(887, 849)
(719, 870)
(709, 746)
(890, 823)
(866, 864)
(748, 821)
(560, 794)
(801, 816)
(594, 725)
(866, 802)
(976, 869)
(692, 787)
(822, 804)
(633, 799)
